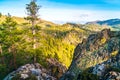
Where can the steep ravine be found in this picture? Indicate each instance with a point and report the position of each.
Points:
(96, 58)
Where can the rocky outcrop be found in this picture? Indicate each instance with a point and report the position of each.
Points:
(96, 58)
(37, 72)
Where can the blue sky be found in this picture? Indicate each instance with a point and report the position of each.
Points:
(61, 11)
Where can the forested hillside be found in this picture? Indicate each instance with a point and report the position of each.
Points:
(53, 41)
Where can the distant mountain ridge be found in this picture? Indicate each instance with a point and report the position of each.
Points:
(110, 22)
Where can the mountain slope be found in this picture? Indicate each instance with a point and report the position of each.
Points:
(96, 58)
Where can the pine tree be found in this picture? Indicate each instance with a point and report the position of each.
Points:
(32, 12)
(9, 25)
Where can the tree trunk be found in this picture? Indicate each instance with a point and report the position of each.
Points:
(2, 57)
(14, 56)
(33, 33)
(34, 39)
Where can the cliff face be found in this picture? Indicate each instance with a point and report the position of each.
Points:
(96, 58)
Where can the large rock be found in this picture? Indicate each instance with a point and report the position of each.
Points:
(95, 57)
(30, 71)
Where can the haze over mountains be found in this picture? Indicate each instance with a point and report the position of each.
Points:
(114, 23)
(109, 22)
